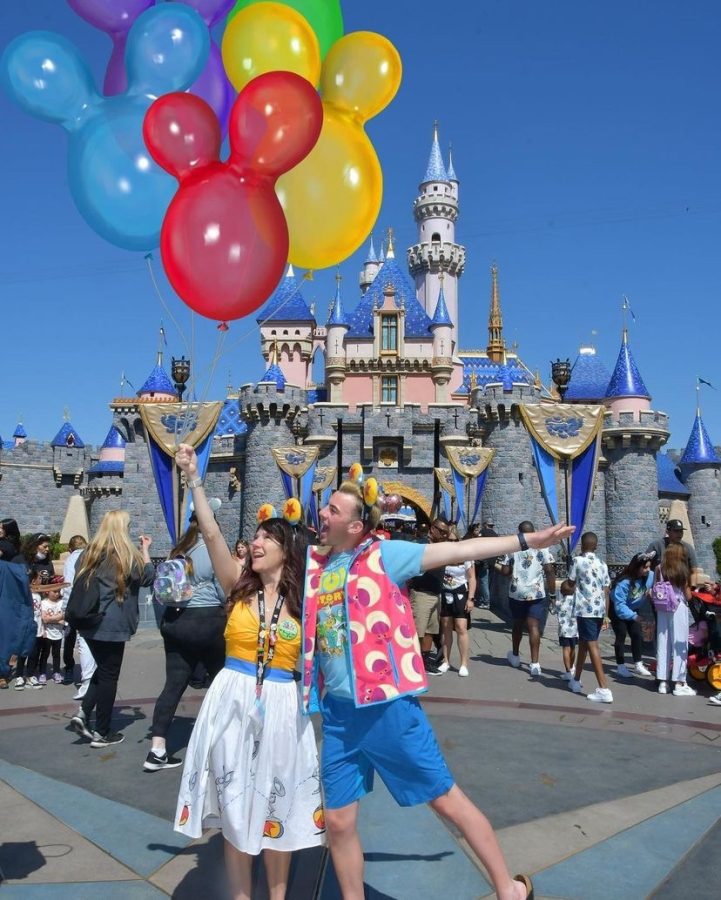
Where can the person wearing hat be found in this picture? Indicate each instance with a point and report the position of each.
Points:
(674, 535)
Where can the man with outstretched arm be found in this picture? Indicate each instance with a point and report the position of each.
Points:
(361, 650)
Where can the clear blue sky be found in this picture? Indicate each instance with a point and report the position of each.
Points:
(587, 140)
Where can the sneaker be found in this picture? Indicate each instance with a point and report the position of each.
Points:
(601, 695)
(34, 682)
(535, 670)
(443, 668)
(513, 660)
(57, 678)
(430, 667)
(641, 669)
(623, 671)
(684, 690)
(19, 684)
(662, 687)
(155, 763)
(68, 676)
(715, 700)
(112, 737)
(575, 686)
(81, 691)
(79, 724)
(567, 676)
(42, 680)
(463, 671)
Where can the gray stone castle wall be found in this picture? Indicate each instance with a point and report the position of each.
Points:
(596, 516)
(704, 511)
(631, 487)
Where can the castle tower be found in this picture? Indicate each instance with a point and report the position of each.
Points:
(442, 363)
(436, 211)
(68, 454)
(496, 348)
(335, 359)
(632, 435)
(370, 268)
(287, 324)
(157, 387)
(20, 435)
(701, 473)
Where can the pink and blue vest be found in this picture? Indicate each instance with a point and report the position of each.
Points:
(386, 659)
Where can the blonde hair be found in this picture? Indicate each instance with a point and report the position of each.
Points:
(112, 545)
(369, 515)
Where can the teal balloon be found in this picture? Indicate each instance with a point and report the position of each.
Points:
(324, 17)
(117, 187)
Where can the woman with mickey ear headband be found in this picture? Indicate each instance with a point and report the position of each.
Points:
(252, 766)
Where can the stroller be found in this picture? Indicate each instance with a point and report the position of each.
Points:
(704, 638)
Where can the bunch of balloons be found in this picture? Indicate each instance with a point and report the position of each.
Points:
(302, 183)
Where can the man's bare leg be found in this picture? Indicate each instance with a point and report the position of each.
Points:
(345, 849)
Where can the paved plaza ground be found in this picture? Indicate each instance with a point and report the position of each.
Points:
(598, 802)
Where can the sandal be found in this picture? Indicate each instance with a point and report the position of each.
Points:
(527, 883)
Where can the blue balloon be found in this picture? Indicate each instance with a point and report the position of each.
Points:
(117, 187)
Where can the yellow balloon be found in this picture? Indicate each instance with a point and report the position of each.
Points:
(269, 37)
(332, 198)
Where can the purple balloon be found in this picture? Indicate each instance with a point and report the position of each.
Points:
(116, 18)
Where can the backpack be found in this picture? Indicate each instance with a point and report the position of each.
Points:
(172, 585)
(664, 596)
(83, 609)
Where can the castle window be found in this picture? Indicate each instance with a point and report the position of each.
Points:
(389, 389)
(435, 238)
(389, 334)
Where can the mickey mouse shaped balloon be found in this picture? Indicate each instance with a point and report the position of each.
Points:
(116, 17)
(332, 199)
(116, 187)
(224, 241)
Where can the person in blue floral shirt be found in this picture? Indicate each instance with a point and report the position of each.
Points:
(567, 627)
(590, 575)
(533, 579)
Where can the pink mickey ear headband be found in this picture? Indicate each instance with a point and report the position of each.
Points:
(369, 487)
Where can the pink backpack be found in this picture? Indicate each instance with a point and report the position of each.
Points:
(664, 595)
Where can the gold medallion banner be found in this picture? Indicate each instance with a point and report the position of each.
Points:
(295, 461)
(324, 478)
(445, 480)
(470, 462)
(170, 424)
(563, 430)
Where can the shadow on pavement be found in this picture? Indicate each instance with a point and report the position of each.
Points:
(18, 859)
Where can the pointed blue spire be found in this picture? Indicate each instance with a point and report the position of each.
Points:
(441, 315)
(699, 448)
(274, 375)
(372, 258)
(20, 431)
(67, 437)
(436, 170)
(626, 380)
(451, 170)
(114, 439)
(337, 313)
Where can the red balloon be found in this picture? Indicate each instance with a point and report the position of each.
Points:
(224, 240)
(393, 503)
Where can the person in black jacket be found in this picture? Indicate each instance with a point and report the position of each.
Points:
(38, 554)
(10, 542)
(120, 569)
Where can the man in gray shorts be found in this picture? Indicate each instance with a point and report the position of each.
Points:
(425, 596)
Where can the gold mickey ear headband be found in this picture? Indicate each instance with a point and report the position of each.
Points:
(292, 512)
(369, 487)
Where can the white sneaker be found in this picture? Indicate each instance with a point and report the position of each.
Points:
(684, 690)
(575, 686)
(601, 695)
(19, 683)
(535, 670)
(662, 687)
(641, 669)
(567, 676)
(443, 668)
(513, 660)
(715, 700)
(463, 671)
(623, 671)
(82, 690)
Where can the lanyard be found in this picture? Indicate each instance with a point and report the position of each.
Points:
(262, 661)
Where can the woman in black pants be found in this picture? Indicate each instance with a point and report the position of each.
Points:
(629, 593)
(192, 634)
(114, 566)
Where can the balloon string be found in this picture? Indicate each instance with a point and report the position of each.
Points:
(149, 261)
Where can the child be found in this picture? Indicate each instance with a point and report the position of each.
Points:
(567, 628)
(53, 624)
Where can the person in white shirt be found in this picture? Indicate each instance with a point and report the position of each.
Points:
(533, 580)
(457, 592)
(76, 545)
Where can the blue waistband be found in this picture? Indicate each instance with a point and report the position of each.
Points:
(249, 668)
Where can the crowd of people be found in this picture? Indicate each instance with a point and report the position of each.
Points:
(284, 625)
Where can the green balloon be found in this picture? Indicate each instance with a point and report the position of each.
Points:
(324, 17)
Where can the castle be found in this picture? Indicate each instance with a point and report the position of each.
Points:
(397, 389)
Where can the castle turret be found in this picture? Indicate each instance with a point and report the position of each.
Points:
(436, 211)
(68, 454)
(288, 325)
(701, 472)
(20, 435)
(442, 363)
(370, 268)
(496, 348)
(632, 435)
(157, 387)
(336, 357)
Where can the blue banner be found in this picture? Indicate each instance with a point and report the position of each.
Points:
(307, 497)
(546, 466)
(583, 474)
(459, 483)
(164, 473)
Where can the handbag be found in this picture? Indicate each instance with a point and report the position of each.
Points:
(663, 595)
(83, 609)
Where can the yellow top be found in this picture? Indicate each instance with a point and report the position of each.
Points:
(241, 638)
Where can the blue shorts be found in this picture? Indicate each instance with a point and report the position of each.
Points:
(567, 641)
(395, 739)
(528, 609)
(589, 628)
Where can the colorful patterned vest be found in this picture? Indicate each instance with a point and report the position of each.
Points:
(386, 657)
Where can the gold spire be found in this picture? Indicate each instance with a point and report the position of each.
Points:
(496, 349)
(273, 353)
